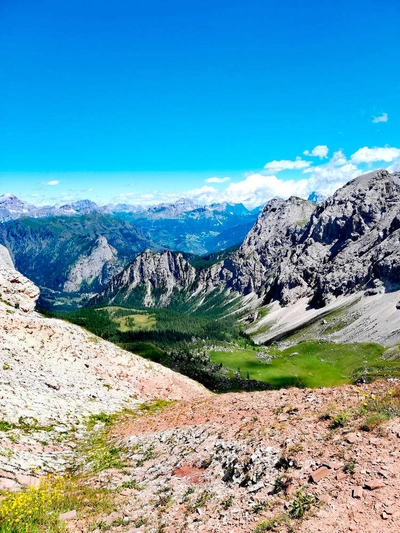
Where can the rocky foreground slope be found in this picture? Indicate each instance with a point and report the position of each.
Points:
(54, 374)
(285, 461)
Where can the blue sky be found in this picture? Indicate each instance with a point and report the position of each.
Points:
(147, 101)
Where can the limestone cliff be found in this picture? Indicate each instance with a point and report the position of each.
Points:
(97, 266)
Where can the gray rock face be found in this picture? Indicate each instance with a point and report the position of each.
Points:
(99, 265)
(353, 240)
(160, 275)
(15, 289)
(351, 243)
(64, 254)
(268, 246)
(246, 271)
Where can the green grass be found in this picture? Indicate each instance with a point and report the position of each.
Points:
(181, 340)
(146, 350)
(130, 319)
(310, 364)
(136, 322)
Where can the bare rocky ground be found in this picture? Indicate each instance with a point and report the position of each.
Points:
(236, 463)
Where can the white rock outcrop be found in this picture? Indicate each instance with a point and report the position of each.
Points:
(15, 289)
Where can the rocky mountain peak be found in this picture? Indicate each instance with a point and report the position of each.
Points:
(98, 264)
(153, 278)
(79, 207)
(267, 245)
(352, 240)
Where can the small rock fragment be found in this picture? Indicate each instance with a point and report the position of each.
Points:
(357, 492)
(319, 474)
(69, 515)
(351, 438)
(374, 484)
(325, 498)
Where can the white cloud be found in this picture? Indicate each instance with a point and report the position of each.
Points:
(285, 164)
(326, 179)
(203, 195)
(324, 175)
(382, 118)
(217, 180)
(395, 167)
(320, 151)
(125, 195)
(257, 189)
(371, 155)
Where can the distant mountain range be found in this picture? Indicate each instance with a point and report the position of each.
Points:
(12, 208)
(73, 250)
(181, 226)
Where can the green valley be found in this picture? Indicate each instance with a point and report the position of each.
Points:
(214, 350)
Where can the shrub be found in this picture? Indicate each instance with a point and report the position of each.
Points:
(302, 503)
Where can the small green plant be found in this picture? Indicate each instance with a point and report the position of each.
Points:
(153, 407)
(260, 506)
(375, 420)
(101, 452)
(271, 524)
(378, 409)
(164, 498)
(147, 455)
(131, 485)
(140, 522)
(186, 495)
(202, 499)
(349, 467)
(6, 366)
(103, 418)
(6, 426)
(228, 502)
(36, 509)
(280, 484)
(339, 420)
(302, 504)
(295, 448)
